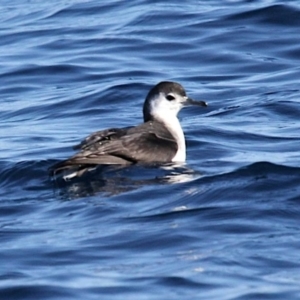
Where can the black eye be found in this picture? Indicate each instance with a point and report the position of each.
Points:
(170, 97)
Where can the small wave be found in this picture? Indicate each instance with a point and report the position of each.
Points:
(25, 174)
(278, 14)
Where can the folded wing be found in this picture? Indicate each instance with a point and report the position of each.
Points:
(147, 143)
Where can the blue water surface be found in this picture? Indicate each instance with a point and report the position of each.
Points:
(225, 225)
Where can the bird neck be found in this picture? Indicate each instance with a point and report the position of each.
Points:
(174, 127)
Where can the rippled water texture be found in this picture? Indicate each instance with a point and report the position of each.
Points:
(225, 225)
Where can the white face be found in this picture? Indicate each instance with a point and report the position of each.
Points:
(167, 104)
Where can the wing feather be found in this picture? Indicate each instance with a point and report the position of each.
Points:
(147, 143)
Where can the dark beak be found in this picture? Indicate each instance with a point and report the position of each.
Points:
(190, 101)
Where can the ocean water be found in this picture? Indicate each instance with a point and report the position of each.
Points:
(225, 225)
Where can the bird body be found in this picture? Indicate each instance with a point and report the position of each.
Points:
(160, 139)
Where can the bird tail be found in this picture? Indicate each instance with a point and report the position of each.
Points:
(68, 169)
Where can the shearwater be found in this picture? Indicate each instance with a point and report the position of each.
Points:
(160, 139)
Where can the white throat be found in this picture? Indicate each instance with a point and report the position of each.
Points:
(173, 125)
(166, 114)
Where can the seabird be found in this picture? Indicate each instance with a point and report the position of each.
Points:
(160, 139)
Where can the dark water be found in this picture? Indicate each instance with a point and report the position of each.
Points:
(225, 226)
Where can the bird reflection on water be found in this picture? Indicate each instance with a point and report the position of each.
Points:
(114, 180)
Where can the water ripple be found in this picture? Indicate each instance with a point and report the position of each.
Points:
(225, 225)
